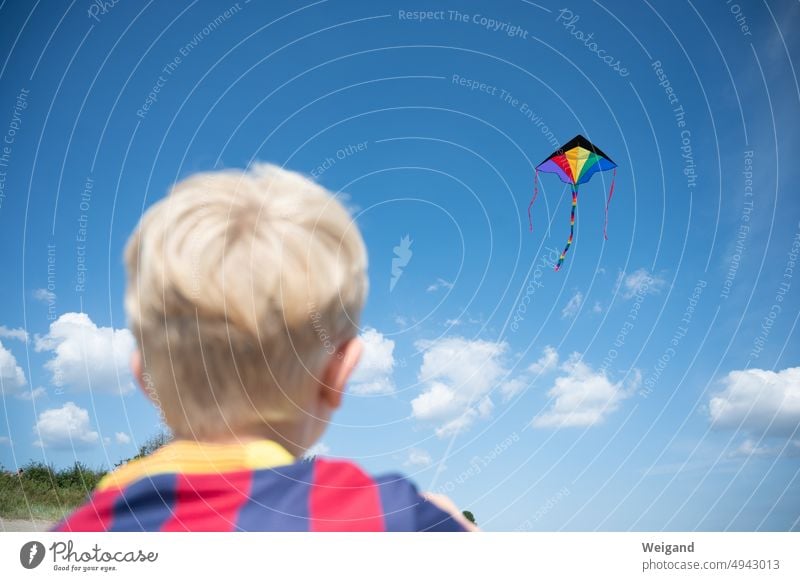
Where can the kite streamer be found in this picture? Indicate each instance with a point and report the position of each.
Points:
(533, 199)
(610, 193)
(571, 230)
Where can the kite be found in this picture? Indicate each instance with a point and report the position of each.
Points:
(575, 163)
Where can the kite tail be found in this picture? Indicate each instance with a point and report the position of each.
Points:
(571, 229)
(610, 193)
(533, 199)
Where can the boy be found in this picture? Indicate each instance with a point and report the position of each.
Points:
(244, 294)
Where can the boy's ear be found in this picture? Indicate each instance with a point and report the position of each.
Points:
(339, 369)
(138, 371)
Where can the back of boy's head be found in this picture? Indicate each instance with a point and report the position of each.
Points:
(240, 285)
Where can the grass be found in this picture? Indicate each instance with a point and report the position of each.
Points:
(41, 492)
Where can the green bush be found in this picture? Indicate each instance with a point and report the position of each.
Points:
(42, 492)
(148, 447)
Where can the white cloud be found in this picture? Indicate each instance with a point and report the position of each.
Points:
(573, 306)
(65, 427)
(374, 372)
(19, 334)
(583, 397)
(435, 403)
(122, 438)
(466, 319)
(318, 449)
(752, 448)
(457, 425)
(458, 375)
(760, 402)
(640, 282)
(440, 283)
(485, 407)
(512, 387)
(418, 457)
(597, 308)
(12, 377)
(32, 394)
(547, 362)
(87, 356)
(44, 295)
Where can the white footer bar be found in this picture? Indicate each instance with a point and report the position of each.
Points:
(333, 556)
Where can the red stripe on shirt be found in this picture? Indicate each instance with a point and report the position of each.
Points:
(344, 498)
(94, 516)
(209, 502)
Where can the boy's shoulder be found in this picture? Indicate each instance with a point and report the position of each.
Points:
(345, 497)
(249, 495)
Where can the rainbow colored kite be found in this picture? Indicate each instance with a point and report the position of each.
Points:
(575, 163)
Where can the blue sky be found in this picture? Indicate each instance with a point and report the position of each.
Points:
(652, 383)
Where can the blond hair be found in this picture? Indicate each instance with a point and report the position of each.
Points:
(239, 283)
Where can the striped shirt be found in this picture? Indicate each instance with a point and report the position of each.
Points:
(254, 486)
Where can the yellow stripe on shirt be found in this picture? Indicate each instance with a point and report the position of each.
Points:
(190, 457)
